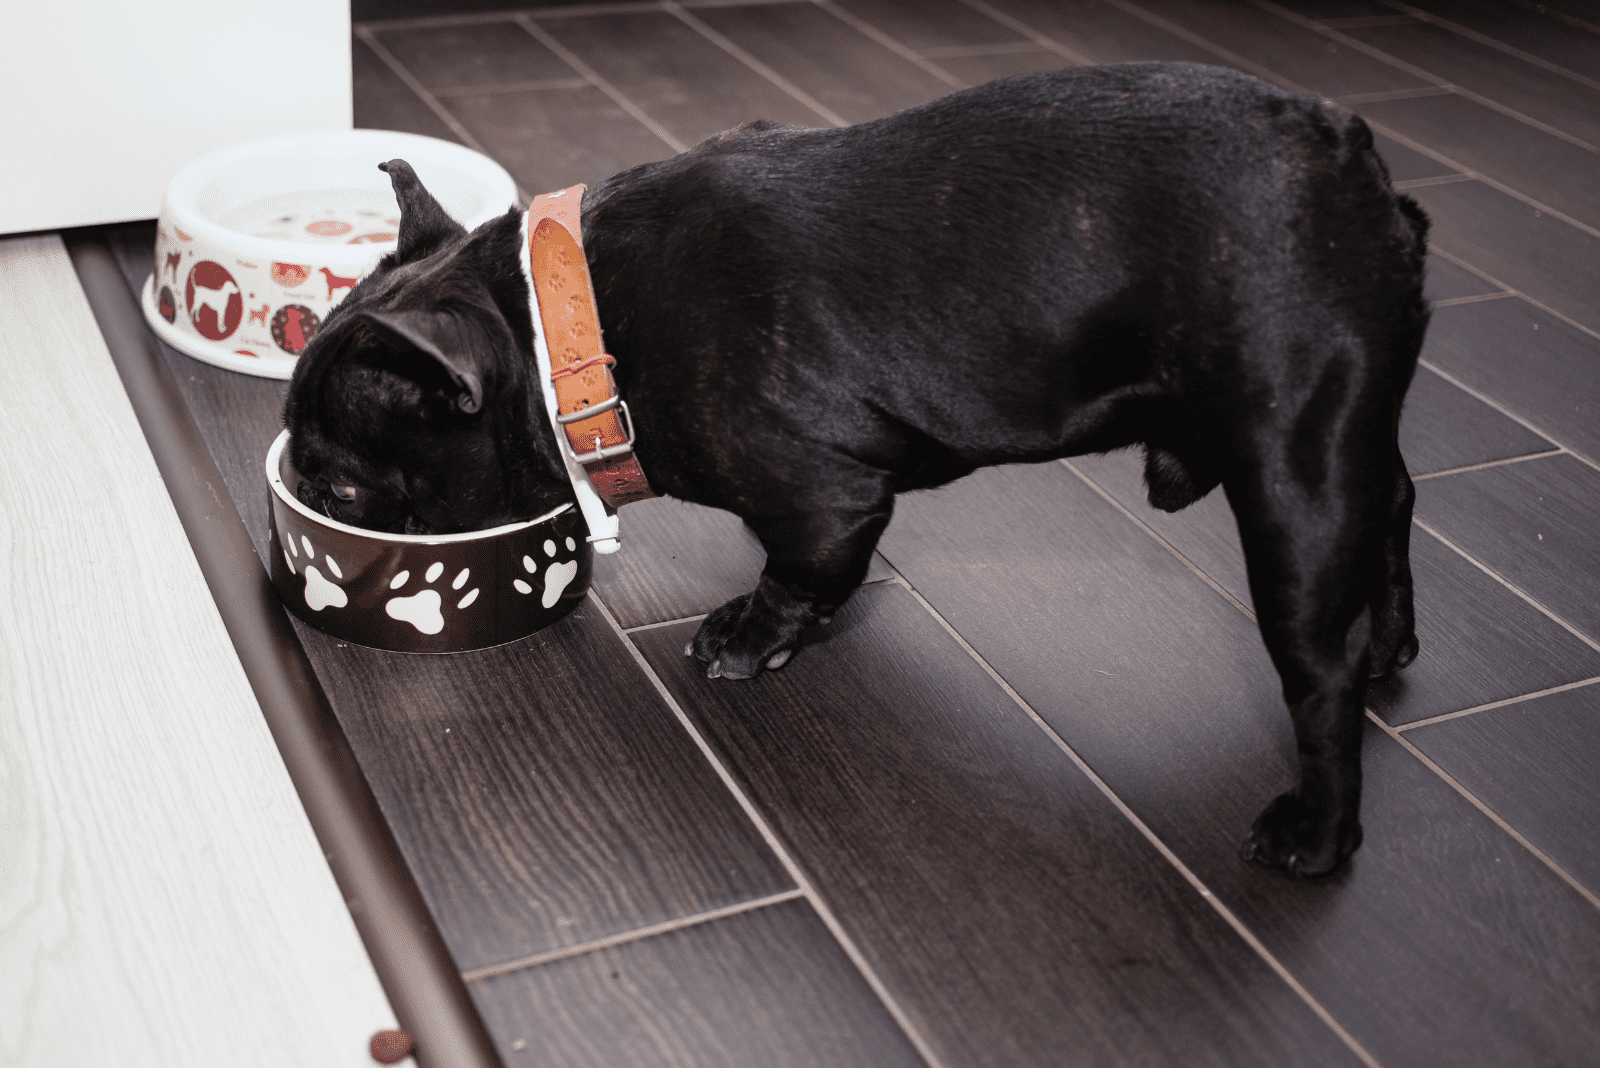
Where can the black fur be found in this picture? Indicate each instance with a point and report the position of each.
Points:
(808, 322)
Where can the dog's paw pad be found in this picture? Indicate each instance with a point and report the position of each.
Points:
(780, 658)
(1288, 836)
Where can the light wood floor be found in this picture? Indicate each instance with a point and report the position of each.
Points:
(162, 898)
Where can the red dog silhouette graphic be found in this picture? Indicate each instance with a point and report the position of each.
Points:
(337, 282)
(260, 314)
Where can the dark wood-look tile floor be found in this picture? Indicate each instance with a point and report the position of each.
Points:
(992, 818)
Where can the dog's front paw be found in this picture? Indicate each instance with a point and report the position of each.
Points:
(1291, 836)
(736, 642)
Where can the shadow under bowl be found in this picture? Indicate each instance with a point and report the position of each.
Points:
(420, 593)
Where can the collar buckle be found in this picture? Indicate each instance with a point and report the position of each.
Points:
(600, 454)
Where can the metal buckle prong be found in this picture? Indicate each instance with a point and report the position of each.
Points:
(600, 455)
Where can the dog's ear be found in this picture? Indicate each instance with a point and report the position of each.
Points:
(438, 337)
(424, 224)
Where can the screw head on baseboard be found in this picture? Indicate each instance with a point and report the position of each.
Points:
(391, 1047)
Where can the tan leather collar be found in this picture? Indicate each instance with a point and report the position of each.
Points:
(580, 393)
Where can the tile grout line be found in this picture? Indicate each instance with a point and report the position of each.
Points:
(571, 59)
(779, 849)
(1508, 584)
(623, 938)
(1505, 411)
(1560, 872)
(866, 29)
(1043, 40)
(1513, 290)
(662, 623)
(694, 618)
(700, 26)
(1245, 934)
(1391, 94)
(1446, 717)
(1001, 48)
(1163, 542)
(388, 59)
(498, 88)
(1405, 185)
(1560, 16)
(1487, 464)
(1359, 21)
(1426, 75)
(736, 3)
(1484, 39)
(1451, 302)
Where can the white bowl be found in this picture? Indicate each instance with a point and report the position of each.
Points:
(258, 241)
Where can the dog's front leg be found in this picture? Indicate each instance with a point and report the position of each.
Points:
(813, 564)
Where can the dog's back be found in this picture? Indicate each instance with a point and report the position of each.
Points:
(1108, 232)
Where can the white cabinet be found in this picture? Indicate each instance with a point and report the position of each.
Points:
(101, 102)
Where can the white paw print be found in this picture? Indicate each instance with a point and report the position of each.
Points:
(422, 609)
(320, 593)
(556, 578)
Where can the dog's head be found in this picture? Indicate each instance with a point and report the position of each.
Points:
(410, 410)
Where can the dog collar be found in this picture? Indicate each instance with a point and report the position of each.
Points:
(580, 395)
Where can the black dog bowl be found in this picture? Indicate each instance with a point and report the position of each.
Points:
(422, 593)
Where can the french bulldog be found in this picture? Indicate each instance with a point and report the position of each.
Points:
(807, 322)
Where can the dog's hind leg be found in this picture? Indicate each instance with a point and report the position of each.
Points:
(1315, 531)
(1394, 639)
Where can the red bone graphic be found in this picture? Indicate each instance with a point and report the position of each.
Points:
(337, 282)
(173, 259)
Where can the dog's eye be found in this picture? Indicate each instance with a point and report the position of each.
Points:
(343, 491)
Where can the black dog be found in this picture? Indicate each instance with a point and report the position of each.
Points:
(808, 322)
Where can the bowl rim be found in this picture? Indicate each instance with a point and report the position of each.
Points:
(179, 206)
(281, 491)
